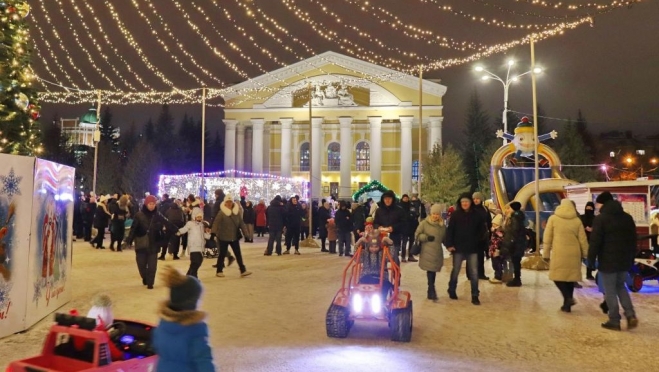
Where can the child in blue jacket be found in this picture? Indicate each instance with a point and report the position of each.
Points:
(181, 338)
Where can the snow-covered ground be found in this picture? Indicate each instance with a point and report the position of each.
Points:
(274, 320)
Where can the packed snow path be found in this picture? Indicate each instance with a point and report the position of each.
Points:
(274, 320)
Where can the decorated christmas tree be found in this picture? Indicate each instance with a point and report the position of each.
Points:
(19, 111)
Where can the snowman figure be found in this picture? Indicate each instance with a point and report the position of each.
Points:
(524, 141)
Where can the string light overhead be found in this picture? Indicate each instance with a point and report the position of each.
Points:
(245, 35)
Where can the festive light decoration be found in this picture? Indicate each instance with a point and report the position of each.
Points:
(573, 6)
(19, 131)
(237, 51)
(255, 185)
(374, 185)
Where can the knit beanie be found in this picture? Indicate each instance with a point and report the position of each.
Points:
(196, 212)
(228, 197)
(478, 195)
(516, 206)
(184, 290)
(101, 310)
(604, 197)
(436, 209)
(150, 199)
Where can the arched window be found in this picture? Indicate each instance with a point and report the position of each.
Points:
(304, 157)
(334, 157)
(363, 156)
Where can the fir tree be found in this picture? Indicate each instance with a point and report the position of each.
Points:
(142, 170)
(150, 131)
(484, 169)
(55, 144)
(586, 136)
(109, 134)
(572, 151)
(479, 134)
(19, 109)
(443, 176)
(108, 167)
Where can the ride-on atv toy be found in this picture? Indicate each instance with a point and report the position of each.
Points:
(74, 345)
(360, 301)
(646, 267)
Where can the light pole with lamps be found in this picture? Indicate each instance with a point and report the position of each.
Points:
(506, 84)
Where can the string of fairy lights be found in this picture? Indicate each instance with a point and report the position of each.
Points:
(256, 33)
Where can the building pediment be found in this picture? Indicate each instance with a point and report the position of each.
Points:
(337, 81)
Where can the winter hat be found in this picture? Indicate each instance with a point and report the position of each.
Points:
(465, 195)
(515, 205)
(354, 206)
(150, 199)
(436, 208)
(196, 212)
(604, 197)
(497, 220)
(184, 290)
(101, 310)
(404, 196)
(228, 197)
(524, 125)
(389, 194)
(478, 195)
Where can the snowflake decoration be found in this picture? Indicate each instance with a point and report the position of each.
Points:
(188, 185)
(37, 291)
(275, 186)
(10, 184)
(168, 181)
(259, 183)
(288, 187)
(5, 288)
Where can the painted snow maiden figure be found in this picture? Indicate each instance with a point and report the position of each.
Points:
(181, 338)
(523, 140)
(431, 233)
(49, 240)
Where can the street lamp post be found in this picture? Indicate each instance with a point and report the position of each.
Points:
(506, 85)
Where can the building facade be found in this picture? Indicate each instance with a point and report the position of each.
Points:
(363, 124)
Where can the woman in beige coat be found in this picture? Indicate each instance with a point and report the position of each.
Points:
(431, 233)
(566, 244)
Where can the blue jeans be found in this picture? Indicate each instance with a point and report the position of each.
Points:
(472, 266)
(614, 290)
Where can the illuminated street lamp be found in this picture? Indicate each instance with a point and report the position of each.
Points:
(506, 84)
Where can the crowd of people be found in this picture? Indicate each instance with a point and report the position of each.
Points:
(472, 231)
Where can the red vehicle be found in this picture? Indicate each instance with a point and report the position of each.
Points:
(74, 345)
(368, 302)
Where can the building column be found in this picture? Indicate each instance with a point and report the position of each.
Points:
(434, 132)
(316, 159)
(286, 136)
(240, 147)
(376, 147)
(345, 185)
(257, 145)
(230, 144)
(249, 138)
(266, 149)
(406, 154)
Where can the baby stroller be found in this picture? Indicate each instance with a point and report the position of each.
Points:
(210, 248)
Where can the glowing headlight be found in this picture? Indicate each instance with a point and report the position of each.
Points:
(376, 304)
(357, 303)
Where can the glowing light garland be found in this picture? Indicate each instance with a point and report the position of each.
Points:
(257, 185)
(572, 6)
(260, 18)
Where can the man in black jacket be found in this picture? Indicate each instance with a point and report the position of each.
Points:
(485, 242)
(176, 217)
(409, 228)
(275, 215)
(343, 219)
(391, 216)
(293, 220)
(613, 247)
(463, 239)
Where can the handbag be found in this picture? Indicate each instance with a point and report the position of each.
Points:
(415, 250)
(142, 242)
(239, 233)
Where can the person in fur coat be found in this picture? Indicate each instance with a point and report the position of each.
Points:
(566, 244)
(431, 233)
(226, 226)
(181, 338)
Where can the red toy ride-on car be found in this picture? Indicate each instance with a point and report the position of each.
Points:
(75, 345)
(373, 302)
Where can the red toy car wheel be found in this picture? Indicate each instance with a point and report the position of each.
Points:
(637, 283)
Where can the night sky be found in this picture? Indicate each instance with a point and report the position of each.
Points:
(610, 71)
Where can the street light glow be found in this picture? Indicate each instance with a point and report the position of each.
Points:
(485, 78)
(511, 62)
(628, 160)
(537, 70)
(479, 68)
(653, 160)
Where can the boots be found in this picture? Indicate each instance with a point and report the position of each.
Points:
(475, 301)
(452, 295)
(432, 293)
(412, 259)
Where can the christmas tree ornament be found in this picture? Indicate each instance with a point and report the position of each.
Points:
(22, 102)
